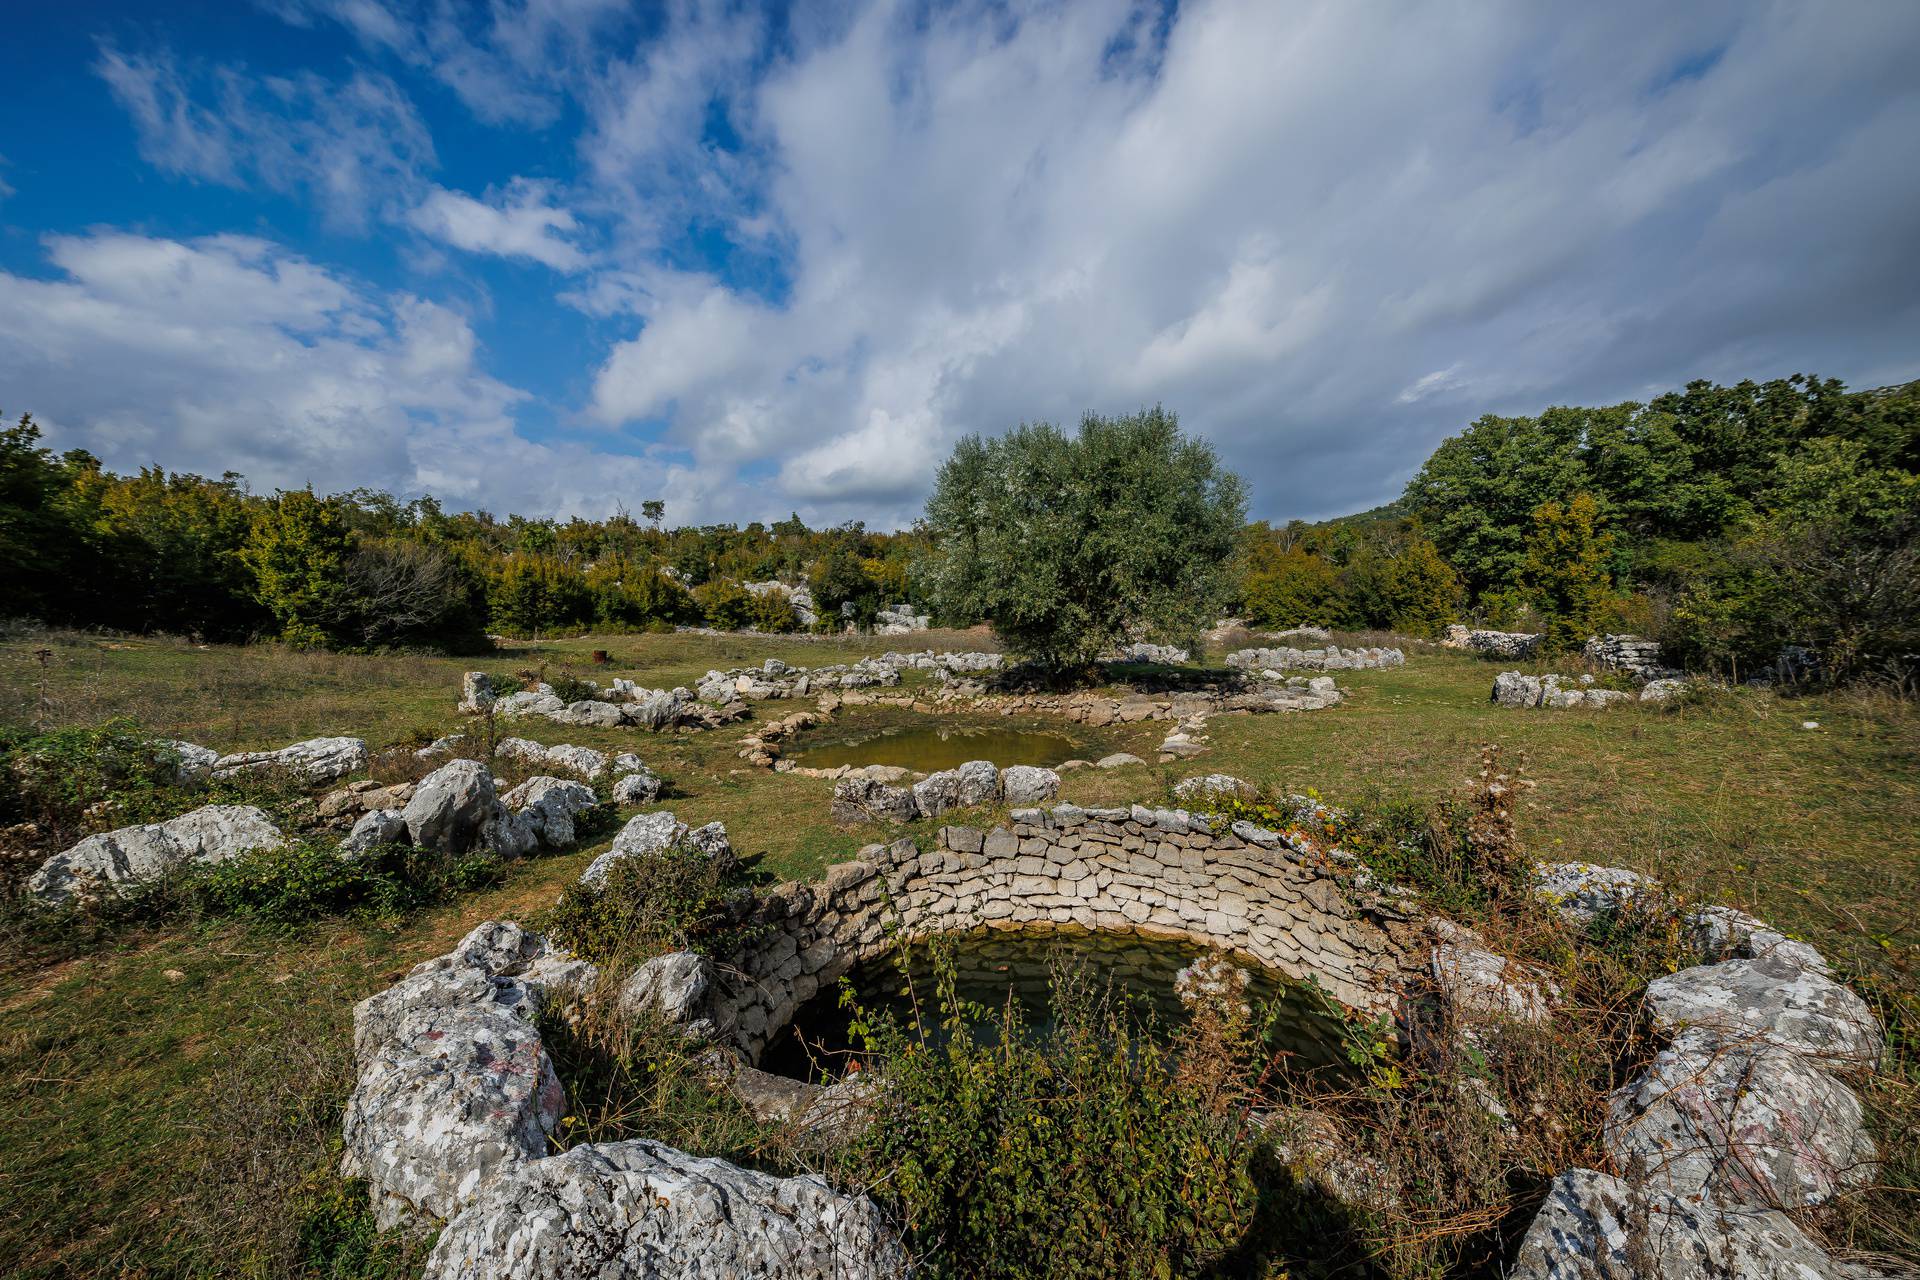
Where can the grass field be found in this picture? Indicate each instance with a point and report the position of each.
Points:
(160, 1095)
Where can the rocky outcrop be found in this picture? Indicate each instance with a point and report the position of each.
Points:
(454, 1083)
(776, 679)
(1744, 1111)
(1516, 689)
(115, 861)
(899, 620)
(1212, 786)
(1331, 658)
(1595, 1227)
(866, 796)
(1495, 644)
(191, 763)
(800, 596)
(646, 1211)
(944, 664)
(316, 760)
(551, 808)
(677, 986)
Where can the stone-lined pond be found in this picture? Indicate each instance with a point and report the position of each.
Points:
(931, 748)
(993, 965)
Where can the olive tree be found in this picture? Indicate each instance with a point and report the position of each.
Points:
(1070, 545)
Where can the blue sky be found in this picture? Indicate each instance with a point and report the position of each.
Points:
(555, 256)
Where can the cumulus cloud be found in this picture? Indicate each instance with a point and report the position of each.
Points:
(519, 222)
(229, 353)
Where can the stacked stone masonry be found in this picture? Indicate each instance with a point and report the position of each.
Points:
(1331, 658)
(1155, 872)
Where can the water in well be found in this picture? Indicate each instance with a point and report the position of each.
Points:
(992, 965)
(931, 748)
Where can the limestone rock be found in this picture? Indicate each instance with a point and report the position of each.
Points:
(1583, 893)
(192, 763)
(1211, 785)
(1721, 933)
(585, 761)
(476, 692)
(316, 760)
(1024, 784)
(1595, 1227)
(376, 827)
(1770, 999)
(454, 1095)
(1746, 1121)
(975, 782)
(451, 806)
(652, 832)
(857, 800)
(1117, 760)
(676, 985)
(134, 855)
(642, 1210)
(636, 789)
(551, 807)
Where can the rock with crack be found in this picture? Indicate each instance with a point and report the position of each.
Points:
(376, 827)
(316, 760)
(451, 807)
(636, 789)
(1595, 1227)
(119, 860)
(1741, 1121)
(642, 1209)
(551, 808)
(975, 782)
(866, 799)
(454, 1083)
(677, 986)
(1721, 933)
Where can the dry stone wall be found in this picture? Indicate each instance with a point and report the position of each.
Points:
(1149, 871)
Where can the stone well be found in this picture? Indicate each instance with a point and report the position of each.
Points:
(1155, 872)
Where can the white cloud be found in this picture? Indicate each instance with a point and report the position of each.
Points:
(350, 145)
(820, 247)
(519, 223)
(230, 353)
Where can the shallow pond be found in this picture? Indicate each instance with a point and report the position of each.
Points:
(932, 748)
(993, 965)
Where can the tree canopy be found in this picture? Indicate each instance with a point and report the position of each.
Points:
(1070, 545)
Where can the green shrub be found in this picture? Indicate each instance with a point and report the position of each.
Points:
(676, 898)
(307, 879)
(1094, 1147)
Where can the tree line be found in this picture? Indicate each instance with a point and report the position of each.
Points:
(1731, 522)
(176, 552)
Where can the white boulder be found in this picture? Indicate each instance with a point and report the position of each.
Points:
(135, 855)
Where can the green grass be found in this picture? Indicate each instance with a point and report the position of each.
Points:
(154, 1124)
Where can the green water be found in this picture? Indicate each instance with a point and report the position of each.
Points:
(938, 747)
(992, 966)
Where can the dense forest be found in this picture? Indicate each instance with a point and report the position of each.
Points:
(1730, 522)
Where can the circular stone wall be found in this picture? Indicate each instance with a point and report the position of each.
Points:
(1159, 872)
